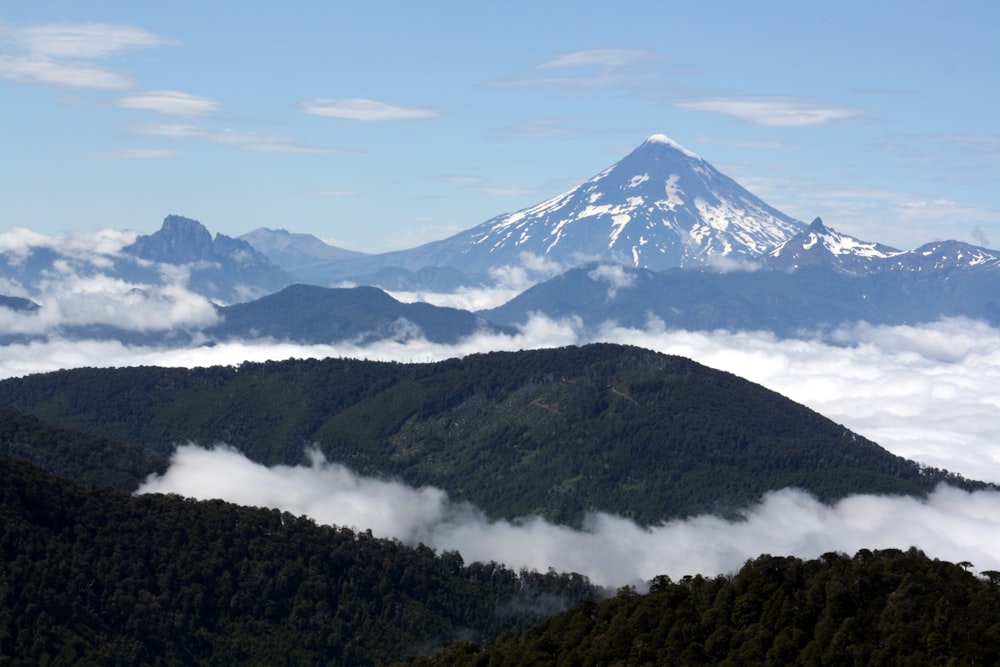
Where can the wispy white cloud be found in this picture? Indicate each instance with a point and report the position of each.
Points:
(170, 103)
(148, 153)
(56, 53)
(66, 73)
(365, 110)
(616, 277)
(610, 550)
(71, 300)
(775, 111)
(86, 246)
(172, 131)
(78, 290)
(529, 270)
(589, 68)
(606, 58)
(251, 141)
(510, 280)
(81, 40)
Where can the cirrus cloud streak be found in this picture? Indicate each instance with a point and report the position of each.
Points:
(365, 110)
(169, 102)
(773, 111)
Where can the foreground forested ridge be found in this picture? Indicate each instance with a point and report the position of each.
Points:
(887, 607)
(554, 432)
(85, 458)
(95, 576)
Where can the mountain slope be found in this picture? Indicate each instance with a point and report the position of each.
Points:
(220, 268)
(296, 253)
(815, 281)
(659, 207)
(551, 432)
(310, 314)
(87, 459)
(824, 247)
(885, 607)
(99, 577)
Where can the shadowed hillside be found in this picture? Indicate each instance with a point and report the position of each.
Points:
(99, 577)
(878, 608)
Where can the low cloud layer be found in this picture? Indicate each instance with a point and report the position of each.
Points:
(951, 524)
(78, 288)
(929, 393)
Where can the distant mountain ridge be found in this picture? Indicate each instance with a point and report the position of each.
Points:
(816, 281)
(822, 246)
(662, 217)
(311, 314)
(299, 254)
(182, 252)
(222, 268)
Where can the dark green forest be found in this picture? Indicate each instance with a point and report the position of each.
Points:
(91, 575)
(890, 607)
(94, 576)
(84, 458)
(555, 432)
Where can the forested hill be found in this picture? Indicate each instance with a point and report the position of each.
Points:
(88, 459)
(878, 608)
(553, 432)
(98, 577)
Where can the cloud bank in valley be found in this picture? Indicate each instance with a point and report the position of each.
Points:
(929, 393)
(951, 524)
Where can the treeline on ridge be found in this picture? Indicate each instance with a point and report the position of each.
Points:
(556, 432)
(888, 607)
(94, 576)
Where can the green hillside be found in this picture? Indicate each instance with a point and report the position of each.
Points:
(98, 577)
(552, 432)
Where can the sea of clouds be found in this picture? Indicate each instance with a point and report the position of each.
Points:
(929, 393)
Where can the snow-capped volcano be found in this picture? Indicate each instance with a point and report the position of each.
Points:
(661, 206)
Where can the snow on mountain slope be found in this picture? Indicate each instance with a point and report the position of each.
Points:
(821, 246)
(660, 207)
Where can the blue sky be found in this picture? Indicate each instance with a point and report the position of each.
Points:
(382, 125)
